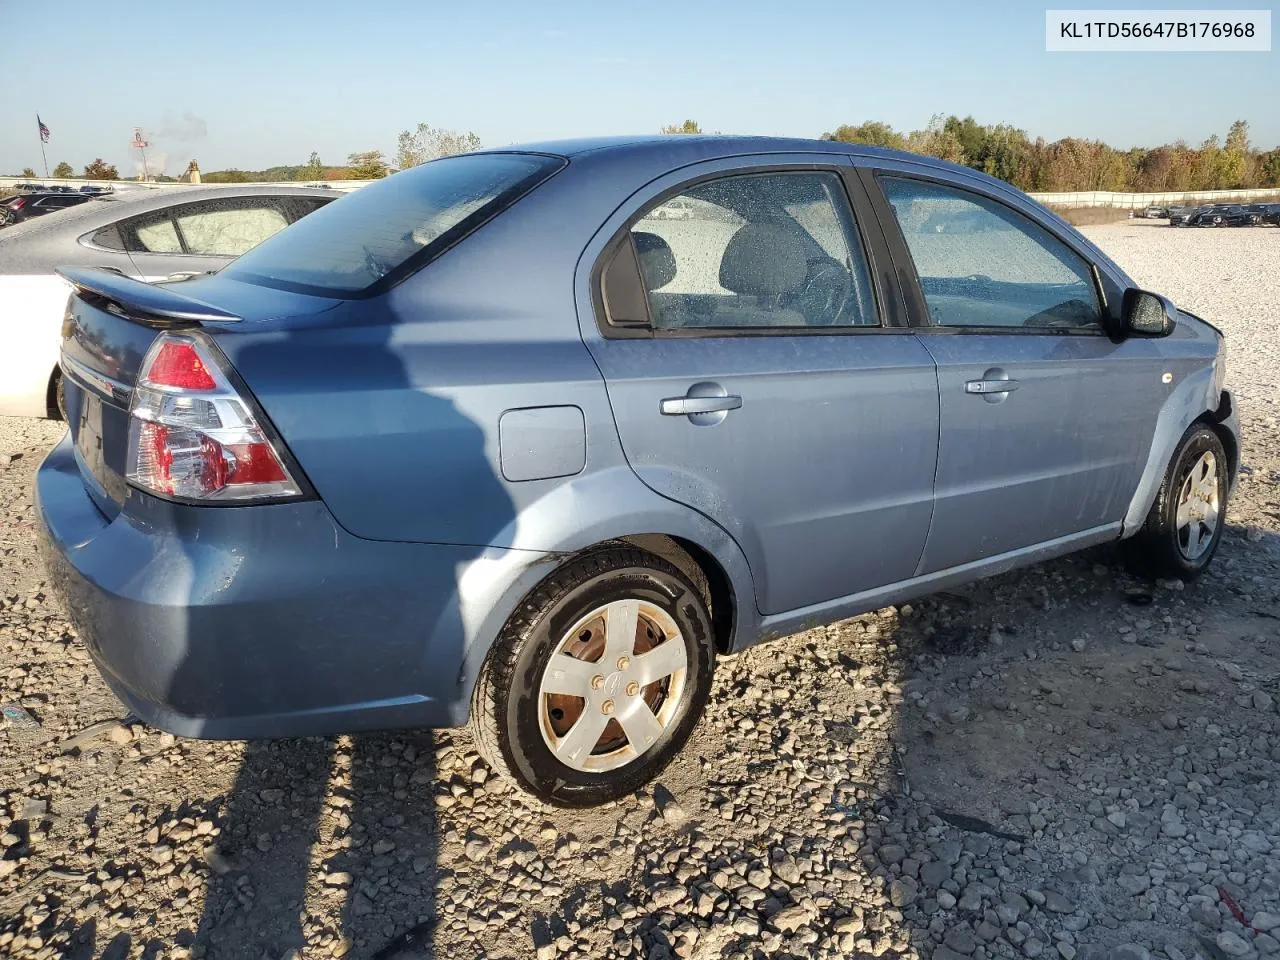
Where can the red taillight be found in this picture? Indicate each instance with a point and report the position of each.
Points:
(18, 204)
(191, 433)
(177, 364)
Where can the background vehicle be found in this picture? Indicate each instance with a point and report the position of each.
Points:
(149, 235)
(1225, 215)
(569, 465)
(1182, 216)
(39, 204)
(1155, 213)
(95, 188)
(1265, 212)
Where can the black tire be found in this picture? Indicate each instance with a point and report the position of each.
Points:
(58, 409)
(1156, 550)
(506, 708)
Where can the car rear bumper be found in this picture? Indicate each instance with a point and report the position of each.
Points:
(253, 622)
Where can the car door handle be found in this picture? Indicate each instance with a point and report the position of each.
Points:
(990, 386)
(684, 406)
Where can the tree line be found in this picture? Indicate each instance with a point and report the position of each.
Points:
(1002, 150)
(1073, 164)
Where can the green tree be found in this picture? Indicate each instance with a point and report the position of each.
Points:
(229, 176)
(873, 133)
(64, 170)
(689, 126)
(427, 143)
(369, 165)
(101, 170)
(27, 172)
(313, 170)
(1235, 157)
(1269, 168)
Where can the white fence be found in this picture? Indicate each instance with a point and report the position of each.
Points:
(1136, 201)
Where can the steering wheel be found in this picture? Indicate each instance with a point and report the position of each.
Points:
(826, 293)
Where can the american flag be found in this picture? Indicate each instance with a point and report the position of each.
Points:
(44, 131)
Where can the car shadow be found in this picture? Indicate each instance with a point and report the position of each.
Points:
(306, 856)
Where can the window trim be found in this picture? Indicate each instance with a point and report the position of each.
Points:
(864, 223)
(920, 318)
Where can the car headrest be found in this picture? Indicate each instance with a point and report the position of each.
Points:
(762, 260)
(657, 262)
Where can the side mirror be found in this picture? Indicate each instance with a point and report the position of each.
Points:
(1146, 314)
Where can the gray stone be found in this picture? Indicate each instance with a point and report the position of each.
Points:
(1233, 944)
(1265, 921)
(1129, 951)
(903, 891)
(961, 939)
(935, 873)
(891, 853)
(1056, 903)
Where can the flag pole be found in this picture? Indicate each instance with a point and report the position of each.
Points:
(42, 153)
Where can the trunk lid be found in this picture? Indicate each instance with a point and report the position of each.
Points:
(110, 324)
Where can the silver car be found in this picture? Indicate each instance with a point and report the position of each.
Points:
(525, 438)
(148, 234)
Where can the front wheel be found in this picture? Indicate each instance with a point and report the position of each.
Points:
(1183, 529)
(597, 680)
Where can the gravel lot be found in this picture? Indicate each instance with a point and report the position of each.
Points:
(1061, 763)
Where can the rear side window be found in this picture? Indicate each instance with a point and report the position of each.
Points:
(229, 232)
(382, 232)
(760, 251)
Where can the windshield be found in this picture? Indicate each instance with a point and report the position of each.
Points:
(382, 232)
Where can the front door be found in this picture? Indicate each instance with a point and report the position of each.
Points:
(757, 382)
(1045, 421)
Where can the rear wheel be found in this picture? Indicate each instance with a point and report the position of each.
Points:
(1183, 529)
(597, 680)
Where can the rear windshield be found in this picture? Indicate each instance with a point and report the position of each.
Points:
(378, 234)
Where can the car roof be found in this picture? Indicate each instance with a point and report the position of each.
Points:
(101, 210)
(677, 150)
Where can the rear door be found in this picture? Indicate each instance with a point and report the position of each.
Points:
(758, 374)
(1046, 423)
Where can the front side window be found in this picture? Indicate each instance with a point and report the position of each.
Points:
(981, 264)
(755, 251)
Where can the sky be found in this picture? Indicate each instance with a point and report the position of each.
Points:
(257, 84)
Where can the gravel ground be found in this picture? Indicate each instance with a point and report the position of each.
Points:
(1057, 763)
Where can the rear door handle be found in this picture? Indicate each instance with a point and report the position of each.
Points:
(990, 386)
(684, 406)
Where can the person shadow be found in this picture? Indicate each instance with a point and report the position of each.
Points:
(328, 845)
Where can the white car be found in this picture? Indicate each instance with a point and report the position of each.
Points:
(149, 235)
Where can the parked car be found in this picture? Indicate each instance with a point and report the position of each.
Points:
(496, 441)
(1182, 216)
(30, 187)
(1225, 215)
(1155, 213)
(95, 188)
(22, 208)
(149, 235)
(1265, 212)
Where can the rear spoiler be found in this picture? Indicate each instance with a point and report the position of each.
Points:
(154, 304)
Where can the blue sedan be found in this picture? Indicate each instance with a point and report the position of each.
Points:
(525, 438)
